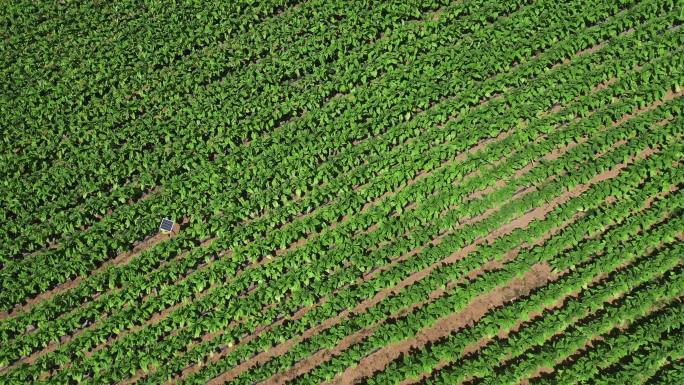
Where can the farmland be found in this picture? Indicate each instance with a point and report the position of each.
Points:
(390, 192)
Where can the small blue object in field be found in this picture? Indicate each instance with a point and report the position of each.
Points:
(166, 225)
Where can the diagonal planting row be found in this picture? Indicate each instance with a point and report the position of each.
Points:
(616, 346)
(448, 348)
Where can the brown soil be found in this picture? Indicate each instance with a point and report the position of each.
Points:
(588, 344)
(56, 242)
(374, 363)
(668, 96)
(302, 241)
(503, 333)
(314, 360)
(282, 348)
(536, 214)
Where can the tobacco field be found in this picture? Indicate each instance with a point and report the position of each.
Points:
(427, 192)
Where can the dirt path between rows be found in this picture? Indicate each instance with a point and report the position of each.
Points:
(588, 344)
(284, 347)
(314, 360)
(293, 246)
(503, 333)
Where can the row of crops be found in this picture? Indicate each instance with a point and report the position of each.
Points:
(400, 192)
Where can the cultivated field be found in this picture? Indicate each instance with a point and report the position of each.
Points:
(408, 192)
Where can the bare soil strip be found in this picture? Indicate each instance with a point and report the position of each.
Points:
(264, 356)
(162, 315)
(302, 241)
(52, 346)
(503, 334)
(57, 242)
